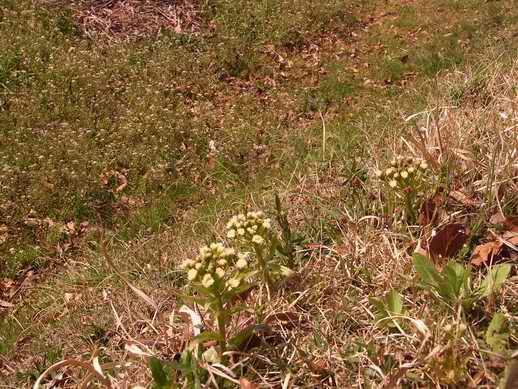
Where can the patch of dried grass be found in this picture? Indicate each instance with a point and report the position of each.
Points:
(129, 19)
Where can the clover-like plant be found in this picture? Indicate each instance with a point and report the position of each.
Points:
(406, 181)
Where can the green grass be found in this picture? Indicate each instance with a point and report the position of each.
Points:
(254, 83)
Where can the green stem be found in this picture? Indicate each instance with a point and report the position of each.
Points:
(409, 199)
(222, 324)
(262, 264)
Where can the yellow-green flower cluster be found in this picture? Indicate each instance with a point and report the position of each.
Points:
(216, 267)
(252, 227)
(402, 171)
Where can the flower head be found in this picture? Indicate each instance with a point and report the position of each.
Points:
(215, 266)
(207, 281)
(253, 227)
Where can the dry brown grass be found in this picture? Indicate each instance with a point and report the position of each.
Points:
(323, 331)
(130, 19)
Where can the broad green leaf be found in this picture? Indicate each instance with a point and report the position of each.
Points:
(394, 303)
(158, 373)
(454, 281)
(456, 275)
(426, 270)
(496, 333)
(494, 280)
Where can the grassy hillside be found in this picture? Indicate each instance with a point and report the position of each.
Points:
(138, 144)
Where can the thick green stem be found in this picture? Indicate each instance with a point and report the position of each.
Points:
(222, 327)
(264, 268)
(409, 199)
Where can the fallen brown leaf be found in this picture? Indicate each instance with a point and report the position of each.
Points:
(448, 241)
(464, 199)
(484, 252)
(5, 304)
(430, 209)
(245, 384)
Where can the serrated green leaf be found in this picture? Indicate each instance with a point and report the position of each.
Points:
(496, 333)
(494, 280)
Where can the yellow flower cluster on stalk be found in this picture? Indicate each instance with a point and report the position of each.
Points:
(252, 227)
(219, 273)
(217, 267)
(402, 172)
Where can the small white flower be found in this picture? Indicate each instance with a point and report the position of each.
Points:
(231, 234)
(188, 263)
(240, 231)
(257, 239)
(204, 251)
(392, 183)
(396, 175)
(222, 262)
(220, 272)
(207, 281)
(267, 224)
(411, 169)
(228, 252)
(198, 265)
(250, 230)
(241, 263)
(191, 274)
(233, 283)
(404, 174)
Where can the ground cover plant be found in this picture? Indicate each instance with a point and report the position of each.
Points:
(378, 138)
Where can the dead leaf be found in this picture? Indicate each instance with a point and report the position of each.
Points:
(464, 199)
(448, 241)
(430, 209)
(122, 181)
(4, 233)
(484, 252)
(245, 384)
(509, 222)
(211, 162)
(136, 350)
(285, 319)
(5, 304)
